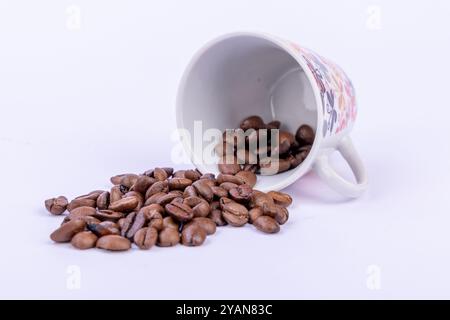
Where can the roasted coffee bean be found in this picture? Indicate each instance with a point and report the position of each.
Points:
(216, 216)
(168, 170)
(57, 205)
(160, 174)
(168, 237)
(84, 240)
(241, 193)
(113, 243)
(146, 238)
(81, 212)
(81, 203)
(221, 178)
(193, 235)
(103, 201)
(66, 232)
(129, 220)
(224, 149)
(201, 210)
(169, 222)
(148, 210)
(259, 199)
(234, 213)
(154, 198)
(208, 176)
(280, 198)
(189, 192)
(159, 186)
(247, 177)
(142, 184)
(305, 135)
(206, 224)
(229, 168)
(115, 180)
(138, 196)
(179, 174)
(115, 194)
(108, 215)
(93, 195)
(128, 180)
(273, 125)
(254, 213)
(179, 211)
(193, 201)
(87, 219)
(202, 187)
(266, 224)
(219, 192)
(156, 221)
(178, 193)
(166, 199)
(104, 228)
(192, 175)
(228, 186)
(138, 223)
(271, 166)
(179, 183)
(279, 213)
(127, 204)
(121, 222)
(252, 122)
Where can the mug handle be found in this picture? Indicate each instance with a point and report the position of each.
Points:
(334, 180)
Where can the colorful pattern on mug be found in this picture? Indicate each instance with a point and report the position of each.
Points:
(336, 91)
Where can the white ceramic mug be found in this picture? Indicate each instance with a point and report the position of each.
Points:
(243, 74)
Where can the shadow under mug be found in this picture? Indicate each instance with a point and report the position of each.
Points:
(243, 74)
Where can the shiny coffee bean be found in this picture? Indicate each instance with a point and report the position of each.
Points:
(126, 204)
(128, 180)
(305, 135)
(203, 189)
(166, 199)
(159, 186)
(66, 232)
(252, 122)
(201, 210)
(113, 243)
(81, 203)
(272, 166)
(146, 238)
(189, 192)
(234, 213)
(254, 214)
(168, 237)
(179, 211)
(229, 168)
(228, 186)
(160, 174)
(208, 176)
(206, 224)
(108, 215)
(192, 175)
(153, 199)
(241, 193)
(193, 235)
(93, 195)
(266, 224)
(103, 201)
(142, 184)
(104, 228)
(221, 178)
(247, 177)
(57, 205)
(179, 183)
(81, 212)
(115, 194)
(259, 199)
(84, 240)
(219, 192)
(115, 180)
(273, 125)
(280, 198)
(138, 223)
(169, 222)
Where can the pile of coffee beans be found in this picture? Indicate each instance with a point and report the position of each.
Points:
(162, 207)
(263, 148)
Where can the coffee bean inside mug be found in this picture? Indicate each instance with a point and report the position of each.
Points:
(263, 148)
(163, 207)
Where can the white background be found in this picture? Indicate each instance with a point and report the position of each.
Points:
(80, 104)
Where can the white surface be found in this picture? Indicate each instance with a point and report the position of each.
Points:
(80, 105)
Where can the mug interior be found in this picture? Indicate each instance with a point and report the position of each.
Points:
(240, 76)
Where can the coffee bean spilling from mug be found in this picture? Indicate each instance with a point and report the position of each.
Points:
(263, 148)
(163, 207)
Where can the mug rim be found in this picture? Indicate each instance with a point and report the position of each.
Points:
(307, 164)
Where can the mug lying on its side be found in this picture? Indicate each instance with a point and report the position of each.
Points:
(243, 74)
